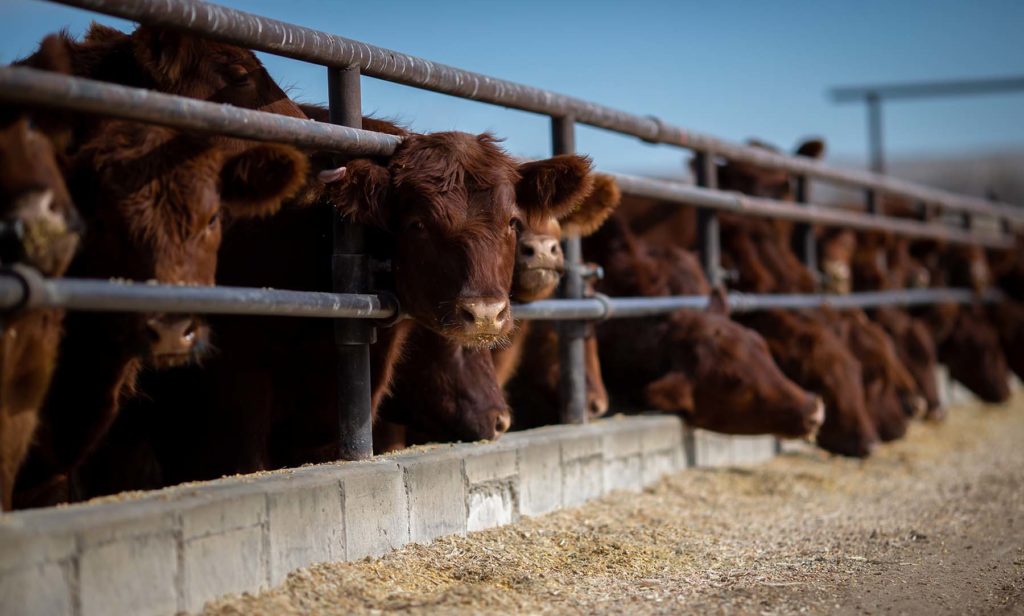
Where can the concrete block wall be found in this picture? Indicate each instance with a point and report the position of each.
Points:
(173, 550)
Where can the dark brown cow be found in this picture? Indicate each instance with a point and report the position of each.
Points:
(1008, 319)
(37, 228)
(716, 373)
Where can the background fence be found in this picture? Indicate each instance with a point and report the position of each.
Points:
(347, 61)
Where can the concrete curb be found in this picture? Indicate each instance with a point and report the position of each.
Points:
(173, 550)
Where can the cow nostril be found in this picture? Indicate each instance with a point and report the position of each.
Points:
(555, 249)
(467, 315)
(526, 250)
(504, 314)
(502, 423)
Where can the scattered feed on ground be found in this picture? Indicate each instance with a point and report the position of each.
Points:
(931, 525)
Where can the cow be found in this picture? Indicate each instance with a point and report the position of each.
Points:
(443, 211)
(459, 397)
(177, 242)
(757, 251)
(39, 228)
(714, 372)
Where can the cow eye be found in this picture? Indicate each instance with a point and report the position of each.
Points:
(238, 75)
(415, 225)
(516, 224)
(213, 220)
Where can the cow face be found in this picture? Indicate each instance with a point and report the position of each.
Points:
(917, 352)
(38, 225)
(464, 401)
(812, 356)
(539, 259)
(155, 202)
(1008, 318)
(836, 250)
(453, 204)
(723, 378)
(972, 351)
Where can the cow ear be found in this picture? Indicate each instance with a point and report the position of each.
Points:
(718, 302)
(257, 181)
(555, 186)
(596, 207)
(360, 191)
(672, 393)
(811, 148)
(163, 53)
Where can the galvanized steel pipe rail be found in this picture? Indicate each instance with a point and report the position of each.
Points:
(24, 288)
(27, 86)
(289, 40)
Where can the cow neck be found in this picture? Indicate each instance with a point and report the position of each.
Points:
(385, 355)
(93, 376)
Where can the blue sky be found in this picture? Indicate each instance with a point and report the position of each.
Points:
(732, 69)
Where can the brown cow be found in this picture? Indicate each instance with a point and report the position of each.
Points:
(153, 200)
(443, 211)
(38, 228)
(716, 373)
(1008, 319)
(459, 396)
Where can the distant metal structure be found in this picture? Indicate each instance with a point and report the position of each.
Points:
(873, 96)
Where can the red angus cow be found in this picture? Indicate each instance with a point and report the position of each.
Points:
(459, 396)
(716, 373)
(38, 228)
(153, 200)
(443, 210)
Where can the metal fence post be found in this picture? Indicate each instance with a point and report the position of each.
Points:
(572, 384)
(807, 243)
(351, 274)
(708, 232)
(874, 104)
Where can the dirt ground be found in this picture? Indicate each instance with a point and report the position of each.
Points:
(930, 525)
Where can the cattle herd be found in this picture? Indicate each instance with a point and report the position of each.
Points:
(96, 403)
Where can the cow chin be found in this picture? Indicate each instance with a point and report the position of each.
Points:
(536, 283)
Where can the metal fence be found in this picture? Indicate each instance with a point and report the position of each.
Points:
(347, 61)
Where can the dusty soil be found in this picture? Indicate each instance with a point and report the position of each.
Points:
(931, 525)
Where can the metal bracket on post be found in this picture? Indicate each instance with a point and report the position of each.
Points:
(350, 268)
(571, 339)
(708, 232)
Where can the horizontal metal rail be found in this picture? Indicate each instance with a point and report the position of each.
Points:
(27, 86)
(20, 85)
(927, 89)
(25, 289)
(685, 194)
(289, 40)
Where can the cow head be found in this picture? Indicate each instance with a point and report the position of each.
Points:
(836, 250)
(539, 259)
(38, 224)
(155, 202)
(189, 65)
(890, 392)
(972, 351)
(453, 204)
(723, 378)
(464, 401)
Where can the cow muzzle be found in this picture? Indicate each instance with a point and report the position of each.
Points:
(37, 234)
(815, 419)
(483, 321)
(173, 339)
(539, 266)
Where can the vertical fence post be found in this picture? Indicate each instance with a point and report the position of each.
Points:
(806, 242)
(874, 103)
(871, 201)
(708, 236)
(572, 384)
(351, 274)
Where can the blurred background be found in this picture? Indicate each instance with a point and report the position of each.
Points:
(730, 69)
